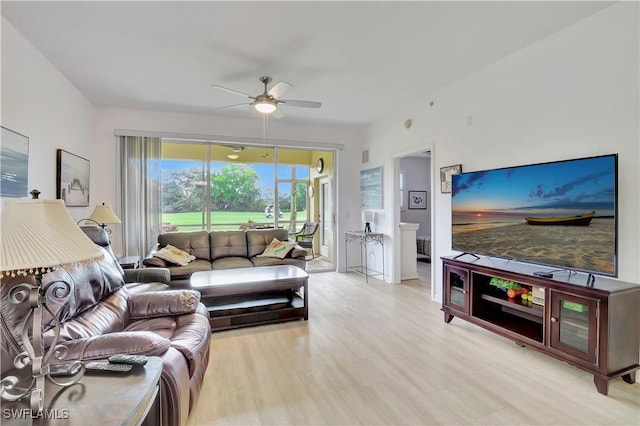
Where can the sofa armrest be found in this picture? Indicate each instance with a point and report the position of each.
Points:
(153, 250)
(123, 342)
(298, 252)
(151, 260)
(147, 275)
(163, 303)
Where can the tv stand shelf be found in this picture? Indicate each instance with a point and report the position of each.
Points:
(590, 324)
(535, 310)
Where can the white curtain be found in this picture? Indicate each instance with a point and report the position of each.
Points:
(140, 193)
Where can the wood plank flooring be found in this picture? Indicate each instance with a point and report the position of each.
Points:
(381, 354)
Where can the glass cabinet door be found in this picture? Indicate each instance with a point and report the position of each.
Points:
(457, 288)
(574, 325)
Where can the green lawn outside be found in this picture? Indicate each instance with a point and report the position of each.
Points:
(195, 219)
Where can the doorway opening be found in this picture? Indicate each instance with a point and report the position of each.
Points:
(415, 188)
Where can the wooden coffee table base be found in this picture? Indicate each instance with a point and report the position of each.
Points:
(263, 295)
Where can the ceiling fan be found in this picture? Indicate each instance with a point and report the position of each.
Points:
(268, 101)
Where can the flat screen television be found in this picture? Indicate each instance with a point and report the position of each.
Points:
(560, 214)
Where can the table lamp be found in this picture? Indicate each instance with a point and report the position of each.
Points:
(368, 217)
(103, 215)
(37, 237)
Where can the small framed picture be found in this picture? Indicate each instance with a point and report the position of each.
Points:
(417, 199)
(72, 179)
(445, 176)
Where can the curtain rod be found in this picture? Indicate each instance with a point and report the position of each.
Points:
(229, 139)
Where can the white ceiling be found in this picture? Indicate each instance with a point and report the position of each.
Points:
(360, 59)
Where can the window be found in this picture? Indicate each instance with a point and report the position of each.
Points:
(209, 186)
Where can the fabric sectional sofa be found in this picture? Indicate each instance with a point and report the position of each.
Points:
(223, 250)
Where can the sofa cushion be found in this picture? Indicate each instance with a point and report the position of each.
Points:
(155, 262)
(195, 243)
(231, 262)
(180, 272)
(278, 249)
(228, 243)
(259, 239)
(274, 261)
(174, 255)
(110, 315)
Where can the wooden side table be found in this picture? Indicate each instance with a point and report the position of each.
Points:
(129, 262)
(115, 399)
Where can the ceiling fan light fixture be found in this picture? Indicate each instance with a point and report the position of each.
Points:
(233, 156)
(265, 107)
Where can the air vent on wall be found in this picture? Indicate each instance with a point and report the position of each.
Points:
(365, 156)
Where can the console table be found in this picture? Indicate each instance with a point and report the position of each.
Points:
(115, 399)
(365, 239)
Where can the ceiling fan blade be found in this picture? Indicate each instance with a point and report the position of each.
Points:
(279, 89)
(235, 106)
(277, 113)
(306, 104)
(230, 90)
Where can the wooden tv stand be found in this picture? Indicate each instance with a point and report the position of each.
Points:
(592, 326)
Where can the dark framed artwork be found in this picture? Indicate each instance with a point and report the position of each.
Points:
(14, 164)
(72, 179)
(417, 199)
(445, 176)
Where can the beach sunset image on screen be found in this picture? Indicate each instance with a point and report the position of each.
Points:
(559, 214)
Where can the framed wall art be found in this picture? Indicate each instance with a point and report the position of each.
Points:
(72, 179)
(371, 188)
(417, 199)
(14, 164)
(445, 176)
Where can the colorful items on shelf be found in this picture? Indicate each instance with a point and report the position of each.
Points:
(504, 284)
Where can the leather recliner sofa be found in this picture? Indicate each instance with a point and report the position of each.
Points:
(223, 250)
(103, 316)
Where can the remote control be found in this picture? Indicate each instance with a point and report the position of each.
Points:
(128, 359)
(105, 367)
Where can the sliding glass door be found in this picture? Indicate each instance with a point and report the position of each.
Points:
(209, 186)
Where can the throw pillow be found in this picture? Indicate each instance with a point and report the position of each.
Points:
(278, 249)
(155, 262)
(174, 255)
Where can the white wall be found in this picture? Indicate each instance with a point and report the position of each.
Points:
(40, 103)
(573, 94)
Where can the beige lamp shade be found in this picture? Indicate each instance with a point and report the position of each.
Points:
(36, 236)
(104, 214)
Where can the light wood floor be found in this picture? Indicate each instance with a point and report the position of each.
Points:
(381, 354)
